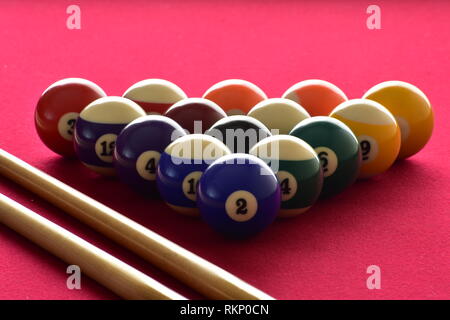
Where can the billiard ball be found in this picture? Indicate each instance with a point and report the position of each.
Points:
(155, 96)
(181, 166)
(196, 115)
(412, 110)
(238, 195)
(138, 150)
(97, 128)
(337, 148)
(318, 97)
(235, 96)
(376, 130)
(239, 133)
(279, 114)
(297, 168)
(58, 108)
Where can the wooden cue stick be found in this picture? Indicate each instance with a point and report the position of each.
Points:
(107, 270)
(199, 274)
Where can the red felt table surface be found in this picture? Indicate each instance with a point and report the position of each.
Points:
(399, 221)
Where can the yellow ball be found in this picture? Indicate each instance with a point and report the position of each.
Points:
(412, 110)
(377, 132)
(279, 114)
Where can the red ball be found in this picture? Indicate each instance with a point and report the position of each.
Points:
(188, 111)
(58, 108)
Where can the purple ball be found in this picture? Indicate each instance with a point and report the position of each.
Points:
(139, 147)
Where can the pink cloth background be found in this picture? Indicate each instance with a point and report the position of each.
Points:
(399, 220)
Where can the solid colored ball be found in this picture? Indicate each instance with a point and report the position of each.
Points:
(297, 168)
(412, 110)
(337, 149)
(138, 150)
(58, 109)
(376, 130)
(196, 115)
(239, 133)
(97, 128)
(238, 195)
(279, 114)
(181, 166)
(155, 96)
(318, 97)
(235, 96)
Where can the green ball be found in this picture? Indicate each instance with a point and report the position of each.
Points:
(337, 148)
(297, 168)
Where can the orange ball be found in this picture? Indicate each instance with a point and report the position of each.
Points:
(318, 97)
(234, 96)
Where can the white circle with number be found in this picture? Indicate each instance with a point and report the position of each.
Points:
(328, 160)
(66, 125)
(147, 163)
(190, 183)
(104, 147)
(288, 185)
(241, 206)
(369, 148)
